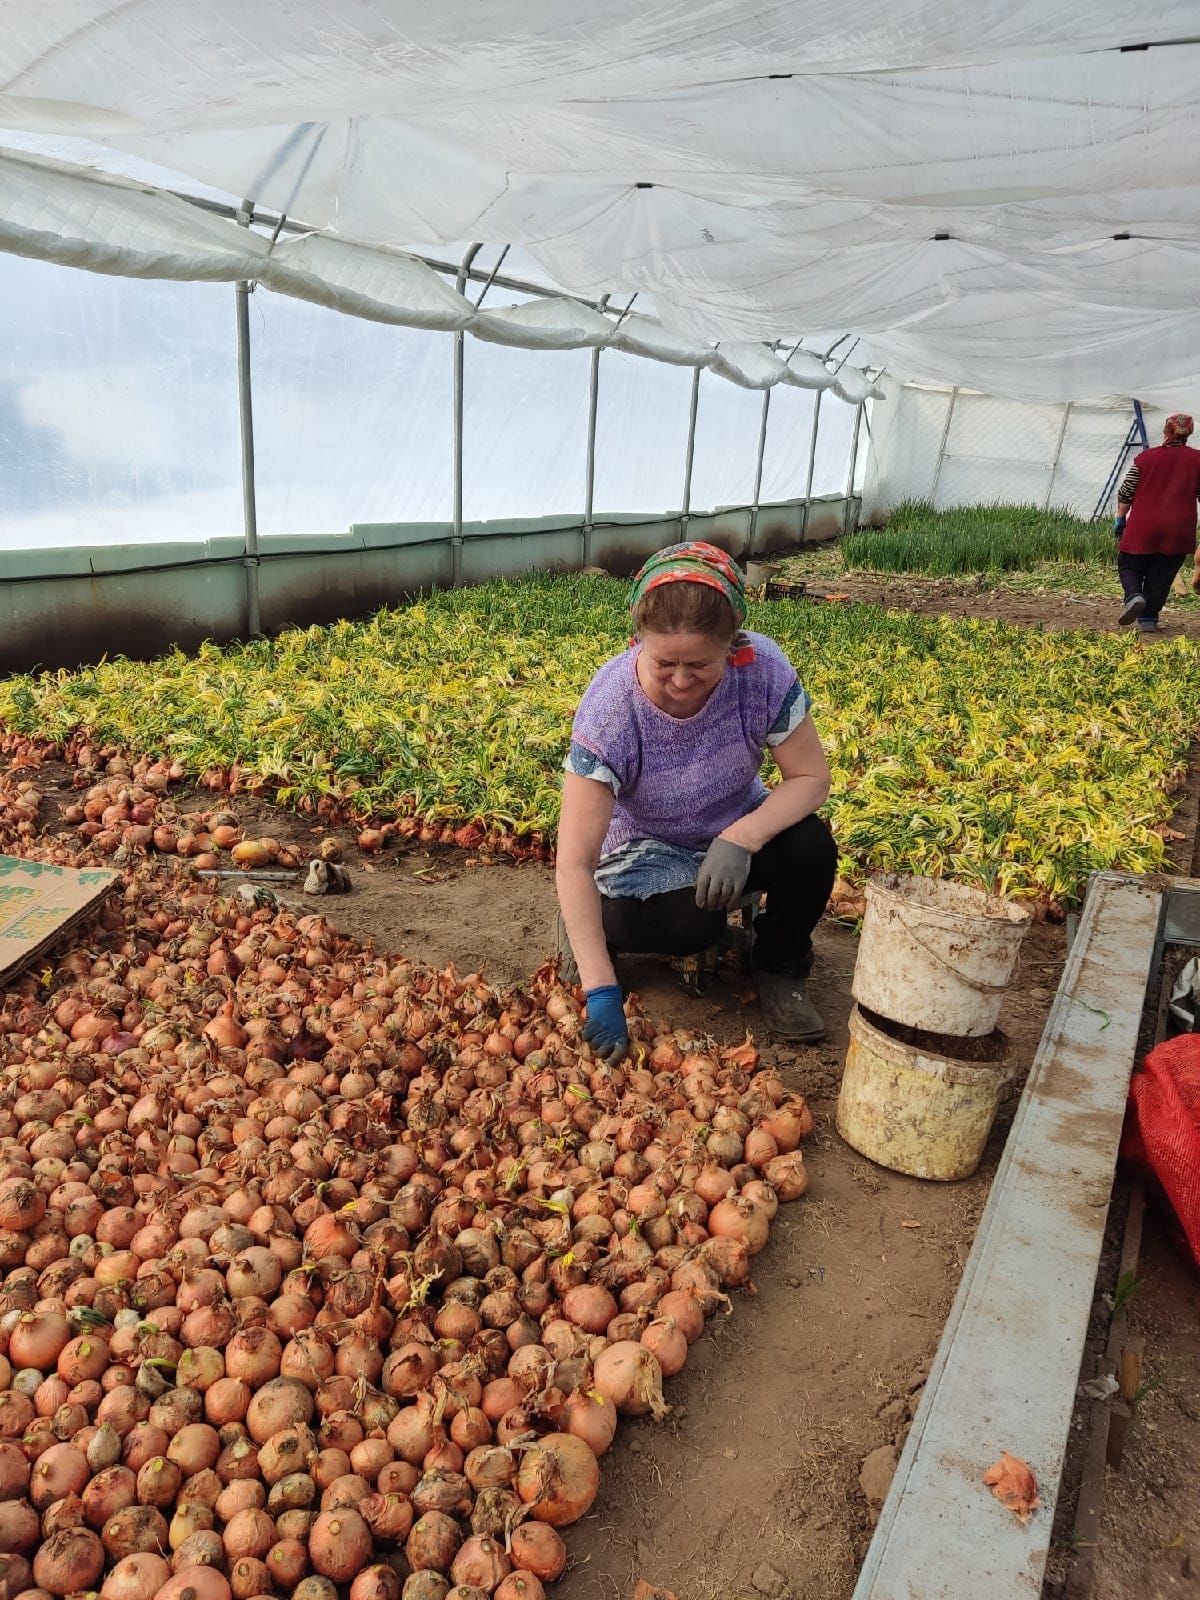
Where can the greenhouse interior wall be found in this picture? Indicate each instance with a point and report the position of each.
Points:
(122, 502)
(955, 447)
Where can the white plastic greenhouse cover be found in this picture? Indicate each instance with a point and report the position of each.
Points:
(1002, 194)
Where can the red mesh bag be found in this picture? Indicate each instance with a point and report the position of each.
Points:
(1162, 1131)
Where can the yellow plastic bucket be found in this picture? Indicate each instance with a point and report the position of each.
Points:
(937, 955)
(915, 1110)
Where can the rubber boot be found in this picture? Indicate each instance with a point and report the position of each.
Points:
(786, 1009)
(1131, 610)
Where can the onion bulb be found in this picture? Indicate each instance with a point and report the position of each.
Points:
(69, 1561)
(627, 1374)
(339, 1544)
(537, 1548)
(559, 1477)
(137, 1577)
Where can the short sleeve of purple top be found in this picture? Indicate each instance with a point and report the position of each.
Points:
(679, 781)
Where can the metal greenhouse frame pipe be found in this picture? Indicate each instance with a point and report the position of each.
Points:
(491, 278)
(1058, 450)
(456, 539)
(858, 416)
(589, 486)
(758, 471)
(285, 224)
(686, 512)
(812, 461)
(250, 559)
(590, 468)
(941, 455)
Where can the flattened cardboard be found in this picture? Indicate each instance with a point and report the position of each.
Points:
(39, 903)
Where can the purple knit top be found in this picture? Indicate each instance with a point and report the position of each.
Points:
(682, 780)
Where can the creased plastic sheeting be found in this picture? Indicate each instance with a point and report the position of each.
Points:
(381, 285)
(118, 411)
(79, 60)
(752, 366)
(1082, 353)
(637, 335)
(544, 325)
(761, 172)
(352, 422)
(85, 219)
(854, 386)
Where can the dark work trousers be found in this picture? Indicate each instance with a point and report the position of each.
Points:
(795, 870)
(1149, 576)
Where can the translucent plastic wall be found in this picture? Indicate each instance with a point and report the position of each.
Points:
(352, 420)
(524, 430)
(118, 409)
(956, 447)
(119, 421)
(642, 412)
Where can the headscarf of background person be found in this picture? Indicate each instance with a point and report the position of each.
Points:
(1178, 427)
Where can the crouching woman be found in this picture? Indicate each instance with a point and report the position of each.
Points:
(666, 822)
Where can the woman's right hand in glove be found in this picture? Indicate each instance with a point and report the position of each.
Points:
(605, 1028)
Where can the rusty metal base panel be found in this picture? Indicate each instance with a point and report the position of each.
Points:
(1006, 1370)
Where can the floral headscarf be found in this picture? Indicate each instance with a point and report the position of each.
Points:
(694, 562)
(1177, 428)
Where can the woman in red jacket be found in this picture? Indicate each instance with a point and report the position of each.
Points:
(1156, 523)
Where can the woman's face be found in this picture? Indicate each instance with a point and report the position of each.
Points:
(680, 670)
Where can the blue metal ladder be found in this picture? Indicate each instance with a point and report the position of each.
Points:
(1136, 436)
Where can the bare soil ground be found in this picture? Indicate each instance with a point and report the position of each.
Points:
(970, 597)
(1149, 1542)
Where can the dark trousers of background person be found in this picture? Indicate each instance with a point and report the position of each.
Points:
(1149, 576)
(795, 870)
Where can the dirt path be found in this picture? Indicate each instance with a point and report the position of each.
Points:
(967, 597)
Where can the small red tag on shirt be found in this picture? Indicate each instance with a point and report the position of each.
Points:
(743, 656)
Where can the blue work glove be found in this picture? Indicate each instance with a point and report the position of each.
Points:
(605, 1029)
(722, 876)
(1119, 526)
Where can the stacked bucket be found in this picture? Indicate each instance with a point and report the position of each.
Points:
(926, 1062)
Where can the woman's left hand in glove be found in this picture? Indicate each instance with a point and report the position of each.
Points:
(722, 877)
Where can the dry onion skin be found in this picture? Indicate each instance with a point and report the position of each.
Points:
(319, 1266)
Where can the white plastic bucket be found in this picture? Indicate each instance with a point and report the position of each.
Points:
(914, 1110)
(937, 955)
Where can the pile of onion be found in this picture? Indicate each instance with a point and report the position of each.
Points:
(323, 1273)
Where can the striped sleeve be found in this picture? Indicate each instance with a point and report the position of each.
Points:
(1128, 487)
(584, 764)
(792, 713)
